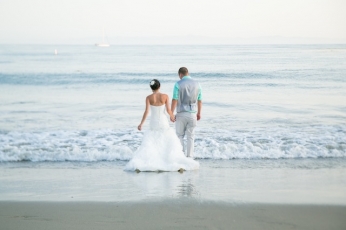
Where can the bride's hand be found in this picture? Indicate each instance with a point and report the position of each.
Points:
(172, 118)
(139, 127)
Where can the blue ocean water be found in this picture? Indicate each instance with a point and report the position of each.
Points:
(260, 101)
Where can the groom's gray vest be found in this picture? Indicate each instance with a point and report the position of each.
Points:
(188, 94)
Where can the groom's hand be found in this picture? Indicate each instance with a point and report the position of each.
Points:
(198, 116)
(173, 119)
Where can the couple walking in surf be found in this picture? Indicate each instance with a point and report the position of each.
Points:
(163, 148)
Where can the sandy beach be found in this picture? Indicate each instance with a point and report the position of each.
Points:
(49, 196)
(167, 214)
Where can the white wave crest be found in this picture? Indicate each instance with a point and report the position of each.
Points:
(103, 145)
(113, 145)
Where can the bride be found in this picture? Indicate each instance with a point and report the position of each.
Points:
(161, 149)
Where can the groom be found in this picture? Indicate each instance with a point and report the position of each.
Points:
(187, 99)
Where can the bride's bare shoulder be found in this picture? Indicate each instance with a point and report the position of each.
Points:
(164, 95)
(149, 98)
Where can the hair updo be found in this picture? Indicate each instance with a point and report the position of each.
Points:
(154, 84)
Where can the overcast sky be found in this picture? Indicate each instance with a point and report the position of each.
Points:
(172, 21)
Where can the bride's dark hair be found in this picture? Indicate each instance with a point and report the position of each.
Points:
(154, 84)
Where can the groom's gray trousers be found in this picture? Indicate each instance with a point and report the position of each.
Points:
(185, 125)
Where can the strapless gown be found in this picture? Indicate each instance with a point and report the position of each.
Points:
(161, 149)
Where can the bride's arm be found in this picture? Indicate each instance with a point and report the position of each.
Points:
(169, 111)
(145, 114)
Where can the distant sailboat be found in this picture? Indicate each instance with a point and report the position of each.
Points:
(103, 44)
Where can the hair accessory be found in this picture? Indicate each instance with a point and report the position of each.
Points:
(152, 82)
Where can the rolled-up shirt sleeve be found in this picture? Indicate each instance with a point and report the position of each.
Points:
(199, 98)
(176, 92)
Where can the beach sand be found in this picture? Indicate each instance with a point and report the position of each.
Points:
(167, 214)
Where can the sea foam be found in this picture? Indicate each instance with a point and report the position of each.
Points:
(113, 145)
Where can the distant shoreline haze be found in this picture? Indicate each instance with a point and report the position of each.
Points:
(187, 40)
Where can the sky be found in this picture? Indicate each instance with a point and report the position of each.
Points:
(172, 21)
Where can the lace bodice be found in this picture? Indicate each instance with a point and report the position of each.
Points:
(158, 119)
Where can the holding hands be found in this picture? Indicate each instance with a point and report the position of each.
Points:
(172, 118)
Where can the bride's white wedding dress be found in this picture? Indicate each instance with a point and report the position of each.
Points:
(160, 149)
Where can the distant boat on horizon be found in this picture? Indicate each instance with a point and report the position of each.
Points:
(103, 44)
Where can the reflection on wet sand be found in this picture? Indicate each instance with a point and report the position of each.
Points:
(187, 189)
(166, 184)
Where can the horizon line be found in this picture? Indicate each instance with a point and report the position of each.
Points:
(178, 44)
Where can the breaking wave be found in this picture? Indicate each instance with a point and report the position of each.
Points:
(113, 145)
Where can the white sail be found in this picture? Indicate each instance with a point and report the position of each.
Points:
(103, 44)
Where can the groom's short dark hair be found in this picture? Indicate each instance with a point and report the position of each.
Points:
(183, 70)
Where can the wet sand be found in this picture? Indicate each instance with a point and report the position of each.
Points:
(167, 214)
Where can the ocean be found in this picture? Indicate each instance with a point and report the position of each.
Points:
(265, 107)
